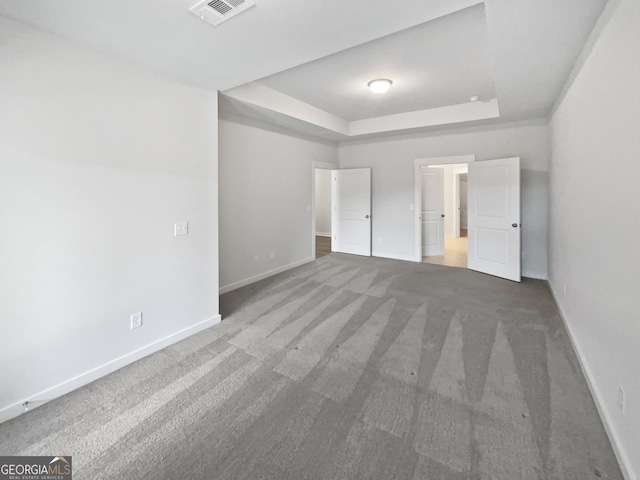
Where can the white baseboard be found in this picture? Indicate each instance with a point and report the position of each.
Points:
(618, 449)
(320, 234)
(256, 278)
(83, 379)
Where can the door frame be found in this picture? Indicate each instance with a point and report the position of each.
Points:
(322, 166)
(417, 207)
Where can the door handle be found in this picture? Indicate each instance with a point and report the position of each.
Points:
(514, 225)
(442, 215)
(366, 216)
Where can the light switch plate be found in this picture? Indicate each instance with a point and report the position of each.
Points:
(181, 228)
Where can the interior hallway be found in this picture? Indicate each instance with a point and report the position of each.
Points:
(323, 246)
(455, 252)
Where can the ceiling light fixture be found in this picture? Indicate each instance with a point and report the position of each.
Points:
(379, 85)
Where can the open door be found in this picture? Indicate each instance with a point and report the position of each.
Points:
(432, 211)
(494, 217)
(351, 211)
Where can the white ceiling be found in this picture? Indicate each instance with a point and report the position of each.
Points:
(438, 63)
(268, 38)
(519, 53)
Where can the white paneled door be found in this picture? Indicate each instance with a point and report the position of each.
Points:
(432, 211)
(494, 217)
(351, 211)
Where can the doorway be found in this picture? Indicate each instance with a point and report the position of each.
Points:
(493, 214)
(322, 212)
(320, 208)
(443, 212)
(340, 210)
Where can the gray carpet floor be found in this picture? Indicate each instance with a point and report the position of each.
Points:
(345, 368)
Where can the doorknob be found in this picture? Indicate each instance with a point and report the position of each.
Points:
(514, 225)
(442, 215)
(366, 216)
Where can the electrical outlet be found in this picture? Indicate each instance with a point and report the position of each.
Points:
(273, 254)
(622, 399)
(255, 259)
(181, 228)
(136, 320)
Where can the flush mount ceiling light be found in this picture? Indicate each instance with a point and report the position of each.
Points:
(379, 85)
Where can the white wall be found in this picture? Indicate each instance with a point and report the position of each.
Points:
(323, 202)
(98, 159)
(266, 198)
(392, 164)
(594, 223)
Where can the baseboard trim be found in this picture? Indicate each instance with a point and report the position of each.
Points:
(45, 396)
(318, 234)
(618, 449)
(256, 278)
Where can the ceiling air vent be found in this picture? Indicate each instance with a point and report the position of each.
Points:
(217, 11)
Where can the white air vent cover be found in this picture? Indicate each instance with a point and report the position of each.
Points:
(217, 11)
